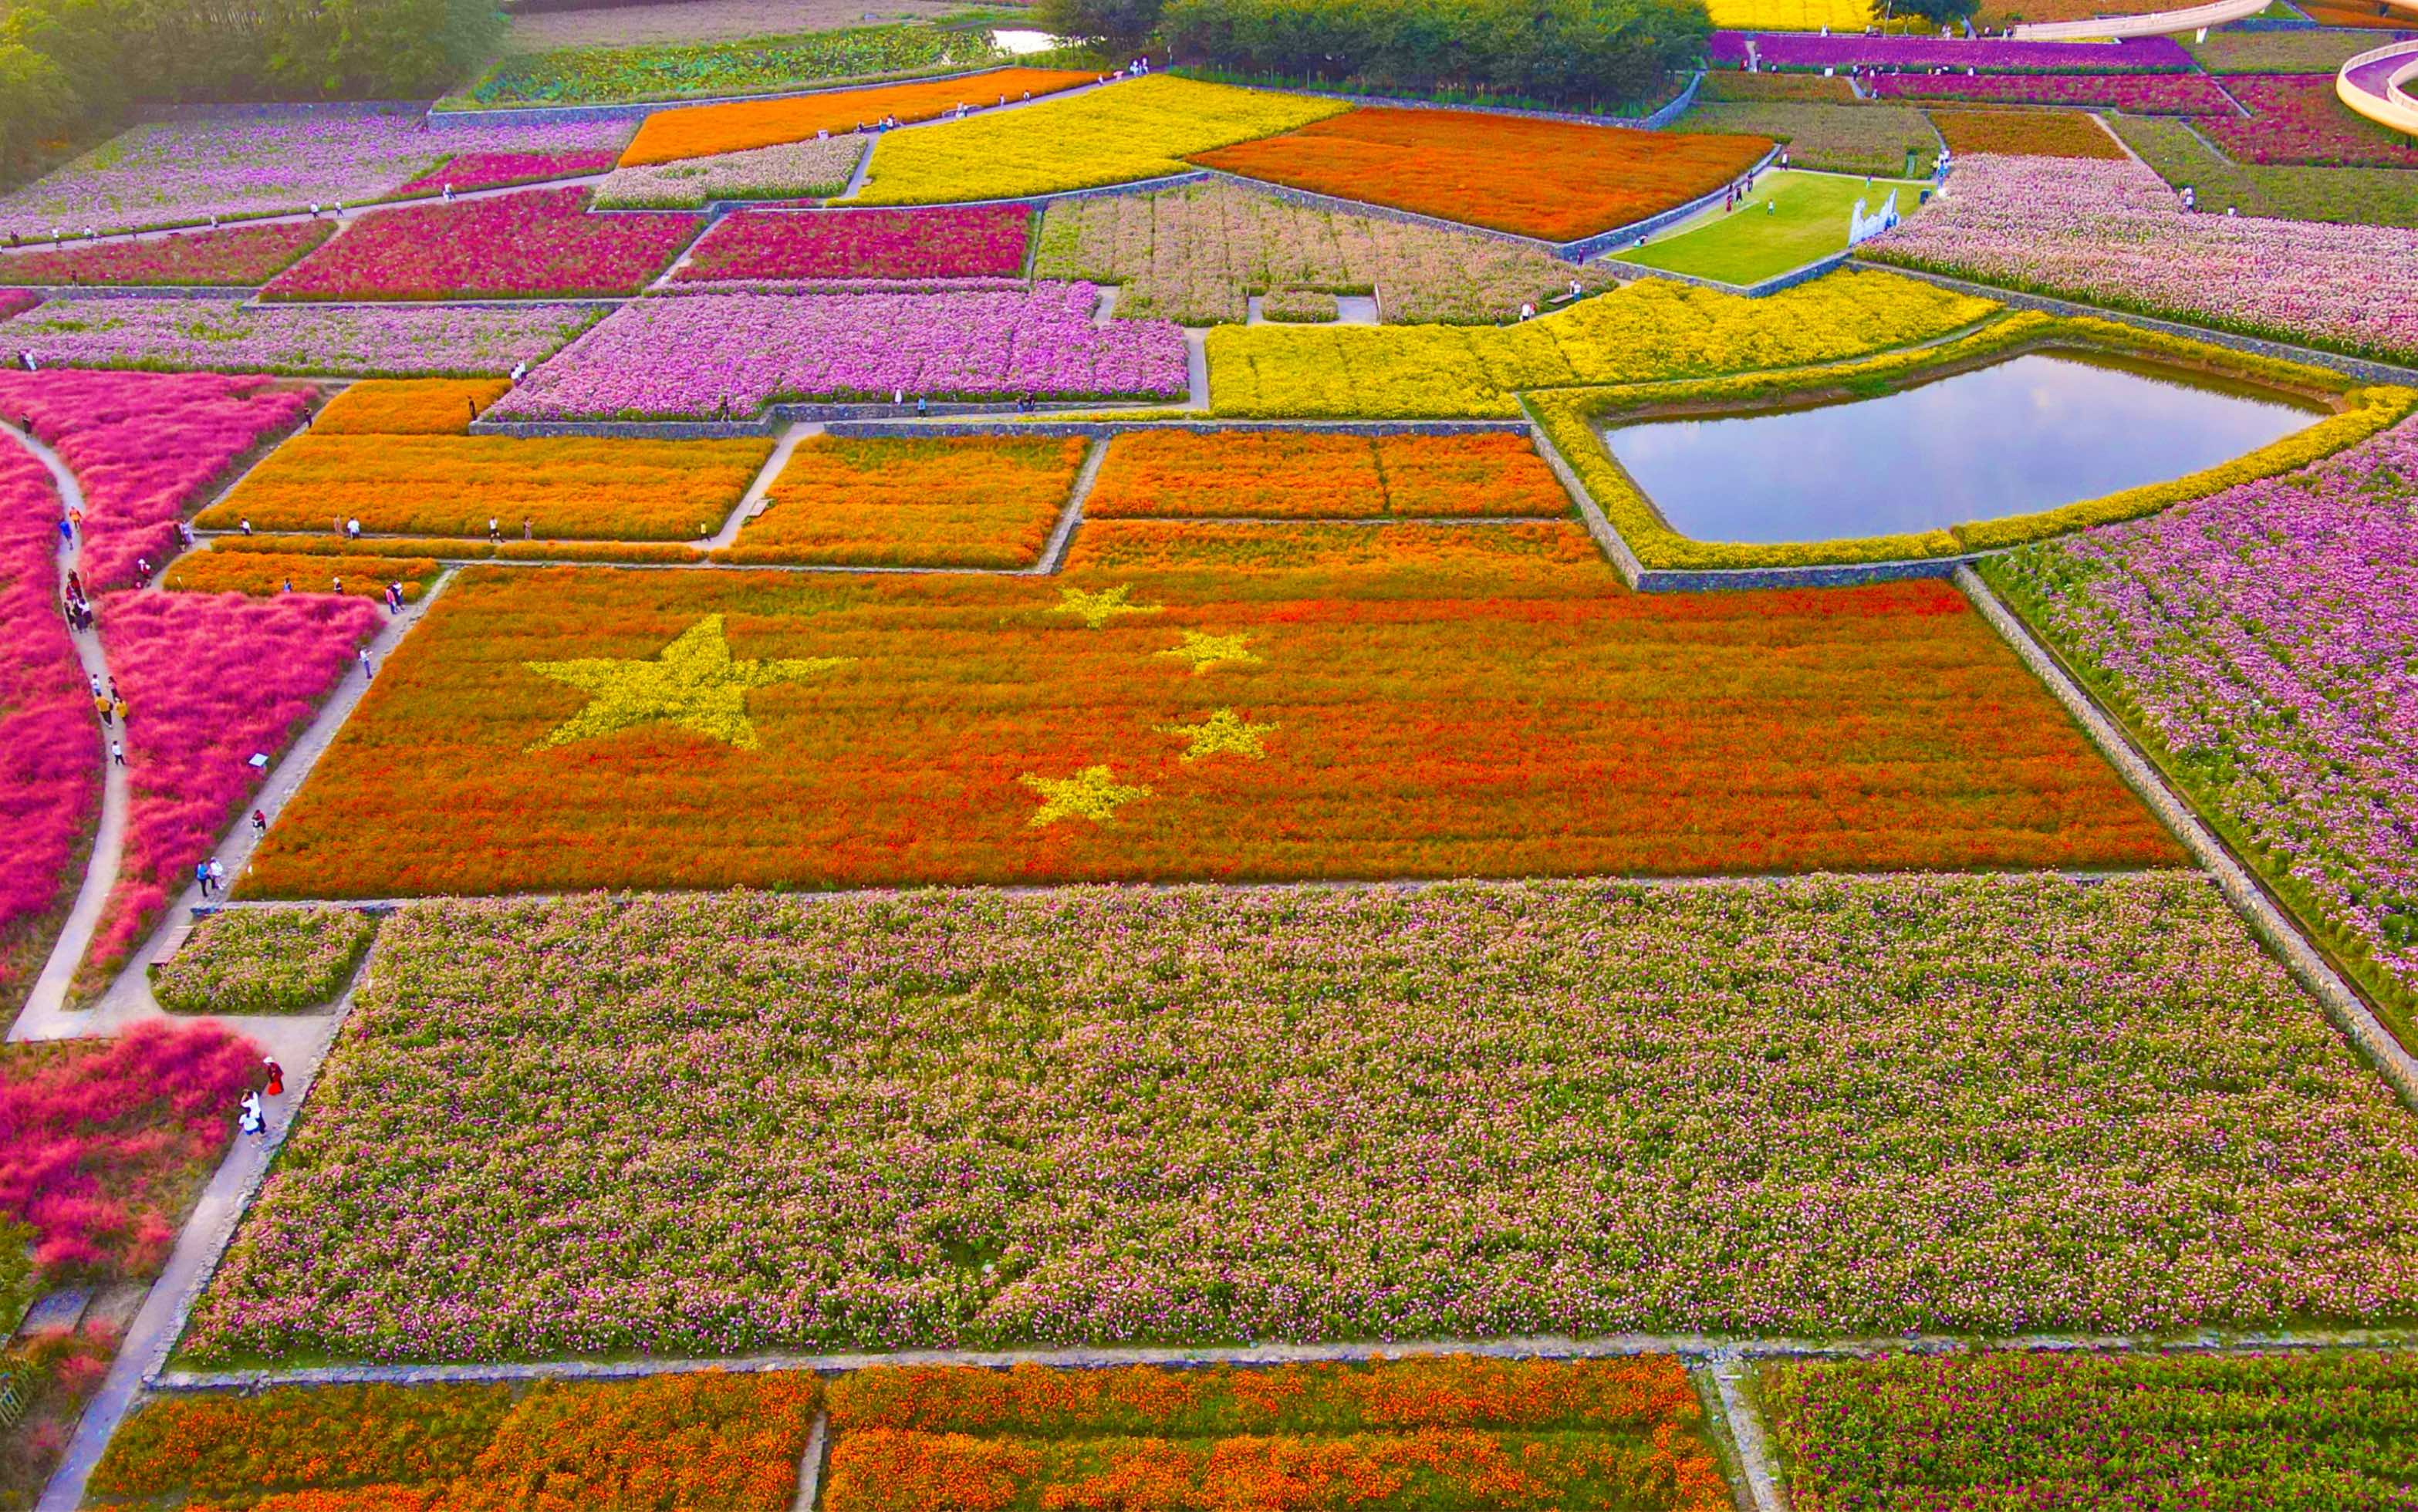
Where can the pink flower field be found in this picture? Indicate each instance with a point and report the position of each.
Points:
(209, 678)
(17, 301)
(2297, 119)
(2138, 93)
(493, 169)
(967, 242)
(233, 255)
(145, 446)
(540, 244)
(49, 763)
(2112, 233)
(102, 1142)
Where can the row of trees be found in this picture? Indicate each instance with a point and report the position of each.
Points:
(71, 66)
(1556, 50)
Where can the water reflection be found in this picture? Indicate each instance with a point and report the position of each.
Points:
(2030, 433)
(1021, 43)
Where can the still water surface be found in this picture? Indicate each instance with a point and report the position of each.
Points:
(2030, 433)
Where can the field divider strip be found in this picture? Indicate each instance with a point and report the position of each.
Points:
(2340, 1001)
(1694, 1347)
(752, 501)
(810, 1465)
(1763, 1479)
(1054, 554)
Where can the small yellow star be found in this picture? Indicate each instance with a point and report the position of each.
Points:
(694, 683)
(1093, 793)
(1205, 652)
(1222, 733)
(1098, 608)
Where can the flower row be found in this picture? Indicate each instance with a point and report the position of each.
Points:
(1311, 475)
(960, 501)
(973, 241)
(227, 337)
(1783, 49)
(537, 244)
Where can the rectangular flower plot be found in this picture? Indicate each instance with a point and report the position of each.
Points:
(598, 488)
(969, 241)
(1193, 701)
(723, 1124)
(1313, 475)
(223, 336)
(2297, 118)
(235, 255)
(1442, 1433)
(543, 242)
(737, 126)
(1553, 179)
(2316, 1429)
(962, 502)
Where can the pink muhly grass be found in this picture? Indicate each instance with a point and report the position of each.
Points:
(145, 447)
(50, 761)
(17, 301)
(209, 678)
(99, 1141)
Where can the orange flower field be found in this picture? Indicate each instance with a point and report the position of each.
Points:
(702, 131)
(1556, 180)
(409, 406)
(1191, 701)
(962, 502)
(263, 573)
(575, 487)
(1319, 475)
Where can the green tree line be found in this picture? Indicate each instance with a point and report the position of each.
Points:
(71, 66)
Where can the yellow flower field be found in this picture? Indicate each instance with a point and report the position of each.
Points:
(1790, 15)
(1645, 333)
(1124, 132)
(559, 487)
(958, 501)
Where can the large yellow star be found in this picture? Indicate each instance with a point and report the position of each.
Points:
(694, 683)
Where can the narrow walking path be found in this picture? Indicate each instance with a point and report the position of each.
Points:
(751, 503)
(1053, 553)
(49, 996)
(229, 220)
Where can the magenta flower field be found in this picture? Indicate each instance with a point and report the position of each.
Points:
(145, 447)
(704, 354)
(968, 241)
(2268, 638)
(2138, 93)
(2296, 119)
(17, 301)
(225, 336)
(1805, 50)
(50, 757)
(231, 255)
(538, 244)
(210, 680)
(2112, 233)
(488, 170)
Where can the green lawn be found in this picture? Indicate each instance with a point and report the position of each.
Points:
(1791, 218)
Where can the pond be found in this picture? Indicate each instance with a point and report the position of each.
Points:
(2030, 434)
(1018, 44)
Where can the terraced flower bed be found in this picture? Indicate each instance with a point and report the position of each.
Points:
(1844, 139)
(973, 241)
(2295, 118)
(537, 244)
(2146, 54)
(1481, 169)
(235, 255)
(175, 334)
(1622, 1137)
(708, 130)
(1309, 475)
(2026, 134)
(2255, 638)
(966, 502)
(808, 170)
(2136, 94)
(600, 75)
(264, 961)
(2362, 196)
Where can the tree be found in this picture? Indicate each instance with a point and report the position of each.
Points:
(1937, 12)
(1119, 25)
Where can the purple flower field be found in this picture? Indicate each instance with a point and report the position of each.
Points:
(1805, 50)
(2268, 638)
(2136, 94)
(179, 334)
(174, 174)
(706, 355)
(2111, 231)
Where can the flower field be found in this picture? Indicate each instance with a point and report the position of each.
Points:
(238, 255)
(2367, 196)
(173, 334)
(465, 171)
(1197, 254)
(50, 760)
(1118, 134)
(409, 407)
(708, 130)
(183, 172)
(2233, 51)
(1446, 1433)
(264, 961)
(563, 487)
(2135, 93)
(1309, 475)
(976, 241)
(792, 170)
(1823, 1106)
(1498, 655)
(102, 1144)
(17, 301)
(146, 447)
(229, 569)
(2113, 234)
(535, 244)
(2025, 134)
(970, 501)
(582, 75)
(1789, 15)
(210, 680)
(709, 355)
(1844, 139)
(2302, 1431)
(1645, 332)
(2146, 54)
(2261, 639)
(1722, 86)
(704, 1443)
(1465, 165)
(2295, 118)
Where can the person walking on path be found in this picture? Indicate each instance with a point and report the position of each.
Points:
(276, 1087)
(202, 876)
(117, 753)
(102, 706)
(120, 706)
(364, 654)
(494, 533)
(259, 824)
(252, 1122)
(218, 877)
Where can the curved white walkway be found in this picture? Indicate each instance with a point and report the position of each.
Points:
(2378, 82)
(2160, 24)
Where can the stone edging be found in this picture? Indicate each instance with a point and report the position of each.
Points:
(2350, 1012)
(131, 291)
(1747, 291)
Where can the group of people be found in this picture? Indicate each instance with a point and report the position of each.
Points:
(252, 1115)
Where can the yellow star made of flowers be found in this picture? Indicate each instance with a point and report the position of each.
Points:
(693, 683)
(1093, 793)
(1223, 733)
(1203, 651)
(1096, 608)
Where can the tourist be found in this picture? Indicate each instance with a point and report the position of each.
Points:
(141, 572)
(259, 824)
(246, 523)
(103, 707)
(526, 532)
(117, 753)
(1527, 311)
(218, 876)
(251, 1122)
(67, 535)
(75, 583)
(276, 1087)
(449, 193)
(493, 531)
(364, 654)
(120, 705)
(353, 529)
(520, 370)
(202, 876)
(336, 585)
(288, 587)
